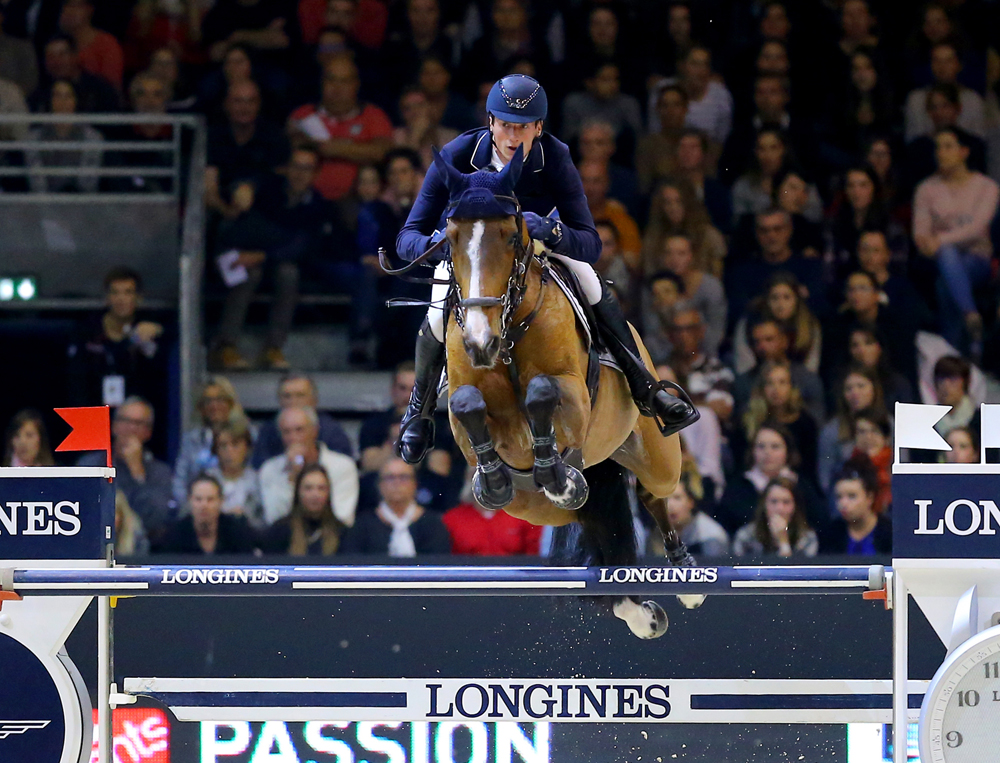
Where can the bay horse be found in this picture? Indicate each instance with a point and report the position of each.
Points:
(513, 330)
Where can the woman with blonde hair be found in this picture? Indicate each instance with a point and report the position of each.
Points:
(218, 405)
(27, 441)
(130, 535)
(676, 211)
(776, 398)
(783, 301)
(310, 529)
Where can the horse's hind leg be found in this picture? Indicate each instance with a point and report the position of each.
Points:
(492, 485)
(607, 537)
(677, 552)
(564, 485)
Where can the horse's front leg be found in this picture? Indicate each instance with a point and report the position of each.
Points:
(491, 486)
(676, 549)
(562, 484)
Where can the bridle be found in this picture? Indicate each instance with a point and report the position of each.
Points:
(513, 295)
(510, 301)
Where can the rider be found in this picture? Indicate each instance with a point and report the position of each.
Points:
(556, 213)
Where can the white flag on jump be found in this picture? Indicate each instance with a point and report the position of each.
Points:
(990, 428)
(915, 426)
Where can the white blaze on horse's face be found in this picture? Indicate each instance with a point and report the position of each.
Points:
(477, 326)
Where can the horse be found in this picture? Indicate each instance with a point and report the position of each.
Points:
(512, 331)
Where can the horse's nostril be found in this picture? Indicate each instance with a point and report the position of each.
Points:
(493, 345)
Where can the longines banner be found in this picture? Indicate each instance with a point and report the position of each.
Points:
(937, 514)
(66, 518)
(944, 510)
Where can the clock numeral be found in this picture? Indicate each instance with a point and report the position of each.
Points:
(968, 698)
(954, 739)
(992, 669)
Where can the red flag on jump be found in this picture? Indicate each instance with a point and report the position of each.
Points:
(91, 429)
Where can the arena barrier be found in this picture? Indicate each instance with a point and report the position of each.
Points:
(56, 531)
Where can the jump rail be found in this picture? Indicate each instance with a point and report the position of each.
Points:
(262, 580)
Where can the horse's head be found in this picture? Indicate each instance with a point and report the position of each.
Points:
(488, 254)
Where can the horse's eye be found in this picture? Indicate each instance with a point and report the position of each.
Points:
(514, 238)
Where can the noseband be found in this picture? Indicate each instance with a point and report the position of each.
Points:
(512, 297)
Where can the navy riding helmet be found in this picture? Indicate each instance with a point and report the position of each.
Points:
(517, 98)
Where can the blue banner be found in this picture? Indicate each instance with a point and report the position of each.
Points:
(946, 514)
(55, 517)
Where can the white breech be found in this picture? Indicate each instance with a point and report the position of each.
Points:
(439, 291)
(590, 282)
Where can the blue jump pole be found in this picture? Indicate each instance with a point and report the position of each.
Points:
(253, 580)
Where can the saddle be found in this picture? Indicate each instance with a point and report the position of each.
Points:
(598, 354)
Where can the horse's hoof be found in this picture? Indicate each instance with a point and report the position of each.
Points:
(646, 620)
(493, 491)
(691, 600)
(575, 494)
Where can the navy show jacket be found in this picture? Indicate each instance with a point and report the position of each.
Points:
(549, 181)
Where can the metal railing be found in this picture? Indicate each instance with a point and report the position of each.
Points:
(69, 237)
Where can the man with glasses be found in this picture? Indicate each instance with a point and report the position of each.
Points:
(145, 480)
(399, 526)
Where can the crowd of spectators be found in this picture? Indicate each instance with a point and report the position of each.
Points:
(797, 204)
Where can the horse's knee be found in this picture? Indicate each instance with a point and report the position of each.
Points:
(541, 397)
(467, 401)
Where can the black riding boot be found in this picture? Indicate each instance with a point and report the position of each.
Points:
(672, 413)
(416, 430)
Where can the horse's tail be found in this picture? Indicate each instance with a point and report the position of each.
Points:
(604, 533)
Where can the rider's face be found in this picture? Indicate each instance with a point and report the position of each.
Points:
(507, 136)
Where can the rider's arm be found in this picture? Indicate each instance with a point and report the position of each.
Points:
(580, 239)
(415, 235)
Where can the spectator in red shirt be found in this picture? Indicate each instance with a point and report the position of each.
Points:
(155, 25)
(476, 531)
(99, 52)
(345, 132)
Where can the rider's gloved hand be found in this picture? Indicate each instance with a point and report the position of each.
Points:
(548, 230)
(442, 253)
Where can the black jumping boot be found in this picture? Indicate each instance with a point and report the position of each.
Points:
(672, 412)
(416, 430)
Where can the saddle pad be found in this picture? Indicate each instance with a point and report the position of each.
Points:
(567, 284)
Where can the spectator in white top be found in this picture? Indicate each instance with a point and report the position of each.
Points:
(952, 213)
(710, 104)
(945, 67)
(299, 428)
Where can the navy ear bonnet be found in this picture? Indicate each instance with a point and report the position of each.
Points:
(482, 194)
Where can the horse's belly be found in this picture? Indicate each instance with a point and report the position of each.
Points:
(612, 418)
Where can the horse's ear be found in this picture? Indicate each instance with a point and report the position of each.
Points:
(454, 179)
(512, 172)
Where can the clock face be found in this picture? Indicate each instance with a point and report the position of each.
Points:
(962, 717)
